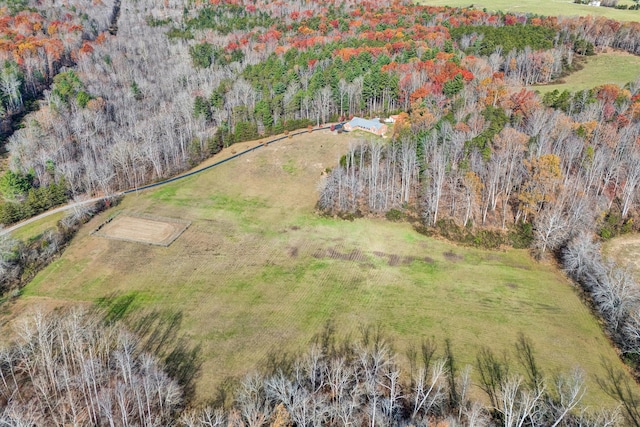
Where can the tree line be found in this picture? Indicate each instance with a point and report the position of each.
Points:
(362, 382)
(83, 366)
(516, 162)
(614, 294)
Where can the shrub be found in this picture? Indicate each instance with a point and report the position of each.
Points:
(395, 215)
(521, 235)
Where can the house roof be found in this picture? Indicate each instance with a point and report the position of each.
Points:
(364, 123)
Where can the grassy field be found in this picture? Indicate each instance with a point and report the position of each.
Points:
(258, 273)
(542, 7)
(35, 229)
(612, 67)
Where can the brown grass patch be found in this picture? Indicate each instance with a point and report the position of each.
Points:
(452, 256)
(395, 260)
(16, 311)
(333, 253)
(625, 251)
(143, 229)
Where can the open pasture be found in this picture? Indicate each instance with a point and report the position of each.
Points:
(543, 7)
(259, 273)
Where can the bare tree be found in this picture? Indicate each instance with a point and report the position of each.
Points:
(570, 390)
(71, 368)
(517, 404)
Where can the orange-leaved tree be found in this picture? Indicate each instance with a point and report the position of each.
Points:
(543, 182)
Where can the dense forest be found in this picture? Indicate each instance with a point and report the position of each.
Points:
(99, 98)
(37, 42)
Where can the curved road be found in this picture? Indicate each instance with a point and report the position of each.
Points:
(145, 187)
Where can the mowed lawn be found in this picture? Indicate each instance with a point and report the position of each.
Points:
(613, 67)
(258, 272)
(542, 7)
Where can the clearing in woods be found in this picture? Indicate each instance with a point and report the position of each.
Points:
(611, 67)
(259, 273)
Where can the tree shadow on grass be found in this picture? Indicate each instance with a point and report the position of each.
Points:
(617, 384)
(159, 334)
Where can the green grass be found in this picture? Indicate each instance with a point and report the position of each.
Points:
(542, 7)
(289, 167)
(258, 272)
(37, 228)
(616, 67)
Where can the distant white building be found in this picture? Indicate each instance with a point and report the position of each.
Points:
(373, 126)
(594, 3)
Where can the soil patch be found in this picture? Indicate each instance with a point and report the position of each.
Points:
(452, 256)
(143, 229)
(394, 259)
(354, 255)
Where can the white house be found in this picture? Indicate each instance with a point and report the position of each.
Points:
(373, 126)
